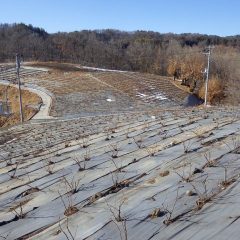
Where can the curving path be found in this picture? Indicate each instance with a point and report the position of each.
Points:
(45, 95)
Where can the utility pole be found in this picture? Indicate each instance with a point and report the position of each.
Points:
(207, 78)
(18, 61)
(6, 99)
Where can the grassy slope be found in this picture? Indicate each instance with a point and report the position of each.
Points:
(29, 100)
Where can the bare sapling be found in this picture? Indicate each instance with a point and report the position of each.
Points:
(169, 211)
(139, 141)
(87, 155)
(119, 218)
(187, 147)
(7, 160)
(80, 161)
(68, 234)
(210, 162)
(18, 211)
(14, 171)
(85, 142)
(227, 180)
(114, 148)
(186, 175)
(152, 150)
(72, 185)
(69, 208)
(49, 165)
(204, 195)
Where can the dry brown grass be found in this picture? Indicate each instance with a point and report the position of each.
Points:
(215, 91)
(65, 67)
(179, 85)
(29, 101)
(60, 83)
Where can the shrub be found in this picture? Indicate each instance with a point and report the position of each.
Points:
(215, 90)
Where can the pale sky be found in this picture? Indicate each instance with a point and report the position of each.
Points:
(214, 17)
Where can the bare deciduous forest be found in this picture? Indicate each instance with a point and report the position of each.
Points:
(180, 56)
(99, 153)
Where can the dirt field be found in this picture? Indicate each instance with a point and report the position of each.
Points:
(82, 93)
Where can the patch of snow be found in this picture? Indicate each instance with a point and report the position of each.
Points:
(150, 97)
(160, 97)
(11, 140)
(109, 100)
(141, 94)
(35, 68)
(101, 69)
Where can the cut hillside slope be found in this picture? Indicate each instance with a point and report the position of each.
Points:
(31, 104)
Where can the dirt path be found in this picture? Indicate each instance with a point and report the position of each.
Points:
(106, 84)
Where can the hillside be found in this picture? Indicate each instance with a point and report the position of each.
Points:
(180, 56)
(133, 51)
(153, 175)
(115, 154)
(31, 105)
(76, 91)
(119, 157)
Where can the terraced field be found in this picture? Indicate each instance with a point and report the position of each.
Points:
(137, 166)
(8, 72)
(78, 92)
(81, 93)
(147, 87)
(155, 175)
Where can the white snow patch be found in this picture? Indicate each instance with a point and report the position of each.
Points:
(160, 97)
(141, 94)
(35, 68)
(150, 97)
(109, 100)
(101, 69)
(11, 140)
